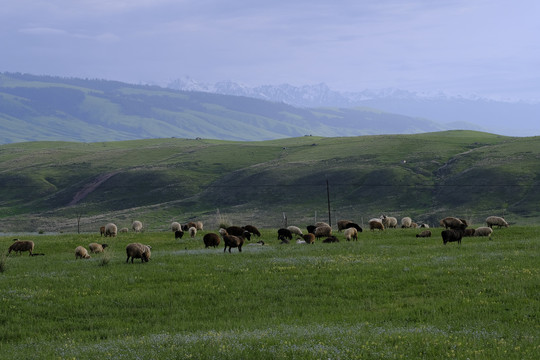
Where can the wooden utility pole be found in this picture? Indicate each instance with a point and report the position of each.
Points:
(328, 196)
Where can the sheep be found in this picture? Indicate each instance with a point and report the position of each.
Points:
(22, 245)
(309, 238)
(137, 226)
(235, 230)
(331, 239)
(341, 224)
(376, 224)
(102, 230)
(284, 234)
(211, 239)
(375, 219)
(189, 225)
(351, 234)
(389, 221)
(483, 231)
(178, 234)
(252, 229)
(233, 241)
(406, 222)
(81, 253)
(295, 230)
(423, 234)
(138, 251)
(322, 231)
(175, 226)
(353, 225)
(496, 221)
(451, 222)
(424, 226)
(455, 234)
(192, 231)
(97, 248)
(222, 232)
(469, 232)
(111, 230)
(321, 223)
(300, 241)
(311, 229)
(199, 225)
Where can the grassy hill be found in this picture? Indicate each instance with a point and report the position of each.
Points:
(44, 108)
(46, 185)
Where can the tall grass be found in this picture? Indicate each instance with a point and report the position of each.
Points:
(389, 295)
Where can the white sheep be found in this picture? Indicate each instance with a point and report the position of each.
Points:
(406, 222)
(111, 230)
(321, 223)
(137, 226)
(175, 226)
(295, 230)
(496, 221)
(351, 234)
(323, 231)
(124, 230)
(97, 248)
(483, 231)
(138, 251)
(192, 231)
(81, 253)
(199, 225)
(389, 221)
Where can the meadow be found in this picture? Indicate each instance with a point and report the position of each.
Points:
(388, 295)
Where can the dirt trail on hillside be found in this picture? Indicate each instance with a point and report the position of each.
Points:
(88, 188)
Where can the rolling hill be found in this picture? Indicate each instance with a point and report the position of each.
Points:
(46, 185)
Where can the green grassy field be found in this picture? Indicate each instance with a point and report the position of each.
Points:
(389, 295)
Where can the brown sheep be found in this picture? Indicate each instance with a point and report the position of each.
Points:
(331, 239)
(102, 230)
(211, 239)
(374, 224)
(351, 234)
(451, 222)
(309, 238)
(19, 246)
(423, 234)
(138, 251)
(252, 229)
(342, 224)
(81, 253)
(97, 248)
(233, 241)
(451, 235)
(323, 231)
(469, 232)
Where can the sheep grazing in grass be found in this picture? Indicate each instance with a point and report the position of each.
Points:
(496, 221)
(309, 238)
(178, 234)
(341, 224)
(351, 234)
(451, 222)
(192, 231)
(138, 251)
(469, 232)
(137, 226)
(406, 222)
(175, 226)
(321, 223)
(233, 241)
(424, 226)
(190, 224)
(376, 225)
(235, 230)
(389, 221)
(81, 253)
(20, 246)
(253, 230)
(311, 229)
(454, 234)
(353, 225)
(295, 230)
(223, 232)
(102, 230)
(483, 231)
(284, 234)
(111, 230)
(323, 231)
(199, 225)
(331, 239)
(424, 234)
(97, 248)
(124, 230)
(211, 239)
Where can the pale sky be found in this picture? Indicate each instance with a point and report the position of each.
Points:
(484, 47)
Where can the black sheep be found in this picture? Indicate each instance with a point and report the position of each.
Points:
(455, 234)
(285, 234)
(354, 225)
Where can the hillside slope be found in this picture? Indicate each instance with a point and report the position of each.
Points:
(41, 108)
(426, 176)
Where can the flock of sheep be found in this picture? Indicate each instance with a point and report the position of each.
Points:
(235, 236)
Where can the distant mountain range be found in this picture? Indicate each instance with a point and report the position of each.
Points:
(454, 112)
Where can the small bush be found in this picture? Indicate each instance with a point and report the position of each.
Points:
(105, 259)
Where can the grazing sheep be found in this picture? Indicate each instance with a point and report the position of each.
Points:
(138, 251)
(469, 232)
(192, 231)
(353, 225)
(406, 222)
(235, 230)
(223, 232)
(455, 234)
(351, 234)
(175, 226)
(178, 234)
(322, 231)
(376, 224)
(389, 221)
(424, 226)
(233, 241)
(124, 230)
(81, 253)
(483, 231)
(309, 238)
(341, 224)
(414, 225)
(97, 248)
(22, 245)
(321, 223)
(211, 239)
(423, 234)
(137, 226)
(375, 219)
(252, 229)
(496, 221)
(284, 234)
(331, 239)
(111, 230)
(295, 230)
(284, 240)
(189, 225)
(199, 225)
(102, 230)
(451, 222)
(311, 229)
